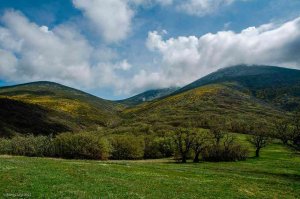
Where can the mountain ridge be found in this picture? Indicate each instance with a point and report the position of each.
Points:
(147, 96)
(236, 94)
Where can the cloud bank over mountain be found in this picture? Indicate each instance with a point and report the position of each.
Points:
(188, 57)
(65, 53)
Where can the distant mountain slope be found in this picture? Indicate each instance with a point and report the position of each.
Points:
(239, 94)
(147, 96)
(280, 86)
(46, 107)
(204, 104)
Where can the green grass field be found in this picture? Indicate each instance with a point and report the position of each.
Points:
(275, 175)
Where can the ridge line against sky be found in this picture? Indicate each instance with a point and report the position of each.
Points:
(118, 48)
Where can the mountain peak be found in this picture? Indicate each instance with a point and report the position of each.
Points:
(242, 73)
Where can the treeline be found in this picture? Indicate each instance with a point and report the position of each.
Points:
(211, 144)
(88, 146)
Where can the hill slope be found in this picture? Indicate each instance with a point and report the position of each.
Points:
(147, 96)
(204, 104)
(46, 107)
(238, 94)
(279, 86)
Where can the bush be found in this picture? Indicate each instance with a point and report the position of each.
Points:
(27, 146)
(81, 146)
(234, 152)
(158, 147)
(127, 147)
(5, 146)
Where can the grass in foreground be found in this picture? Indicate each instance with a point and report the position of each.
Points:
(275, 175)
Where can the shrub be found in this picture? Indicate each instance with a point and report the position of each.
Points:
(158, 147)
(27, 146)
(81, 146)
(233, 152)
(5, 146)
(127, 147)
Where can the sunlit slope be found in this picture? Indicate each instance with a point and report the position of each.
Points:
(46, 107)
(205, 104)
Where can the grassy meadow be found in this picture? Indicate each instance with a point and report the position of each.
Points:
(276, 174)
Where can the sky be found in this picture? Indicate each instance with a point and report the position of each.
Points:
(117, 48)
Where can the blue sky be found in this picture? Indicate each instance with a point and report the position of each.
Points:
(117, 48)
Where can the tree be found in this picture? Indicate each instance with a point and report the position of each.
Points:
(201, 141)
(184, 139)
(296, 131)
(216, 129)
(282, 131)
(127, 147)
(259, 138)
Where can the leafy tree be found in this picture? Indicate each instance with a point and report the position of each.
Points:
(259, 138)
(184, 139)
(217, 130)
(158, 147)
(81, 146)
(201, 141)
(127, 147)
(282, 131)
(296, 130)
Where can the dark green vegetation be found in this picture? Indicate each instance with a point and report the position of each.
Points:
(148, 96)
(275, 174)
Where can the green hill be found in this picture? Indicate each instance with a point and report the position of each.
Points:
(239, 94)
(46, 107)
(205, 104)
(147, 96)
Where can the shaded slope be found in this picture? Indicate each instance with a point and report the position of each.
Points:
(49, 106)
(25, 118)
(147, 96)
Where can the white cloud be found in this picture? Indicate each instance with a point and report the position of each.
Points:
(202, 7)
(123, 65)
(111, 18)
(152, 2)
(187, 58)
(41, 53)
(8, 63)
(31, 53)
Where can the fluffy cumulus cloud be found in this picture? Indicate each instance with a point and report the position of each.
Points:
(112, 19)
(202, 7)
(29, 53)
(188, 58)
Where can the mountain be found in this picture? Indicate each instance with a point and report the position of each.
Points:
(276, 85)
(50, 108)
(147, 96)
(238, 95)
